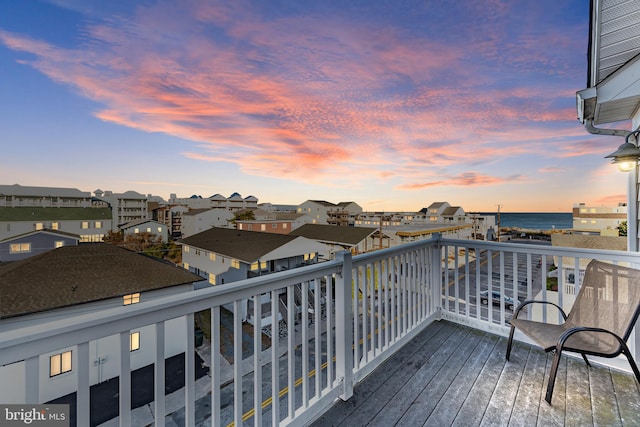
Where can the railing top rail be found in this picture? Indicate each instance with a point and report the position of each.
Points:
(602, 254)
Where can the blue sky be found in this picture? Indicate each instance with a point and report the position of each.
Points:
(393, 105)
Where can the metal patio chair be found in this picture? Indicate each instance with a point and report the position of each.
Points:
(599, 324)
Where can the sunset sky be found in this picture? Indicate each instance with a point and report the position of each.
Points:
(391, 104)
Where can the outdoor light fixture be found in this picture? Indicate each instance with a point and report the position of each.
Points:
(627, 155)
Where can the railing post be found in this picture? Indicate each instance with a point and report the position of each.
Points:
(436, 275)
(344, 334)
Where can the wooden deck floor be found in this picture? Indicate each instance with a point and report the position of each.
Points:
(455, 375)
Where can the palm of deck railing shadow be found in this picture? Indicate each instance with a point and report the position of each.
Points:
(599, 324)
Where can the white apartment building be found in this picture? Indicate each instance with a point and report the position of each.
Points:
(598, 220)
(125, 207)
(320, 211)
(43, 197)
(198, 220)
(234, 202)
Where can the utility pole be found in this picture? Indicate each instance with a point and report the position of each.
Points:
(499, 206)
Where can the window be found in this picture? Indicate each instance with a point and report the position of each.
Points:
(159, 229)
(212, 256)
(250, 227)
(254, 266)
(240, 226)
(136, 230)
(212, 278)
(274, 225)
(59, 243)
(235, 263)
(19, 248)
(39, 226)
(148, 229)
(131, 298)
(60, 363)
(185, 265)
(263, 227)
(284, 226)
(84, 225)
(186, 249)
(54, 226)
(134, 341)
(263, 265)
(98, 224)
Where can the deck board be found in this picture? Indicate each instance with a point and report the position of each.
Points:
(455, 375)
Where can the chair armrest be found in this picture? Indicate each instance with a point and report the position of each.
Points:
(532, 301)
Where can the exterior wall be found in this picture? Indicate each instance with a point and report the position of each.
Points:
(598, 220)
(38, 243)
(104, 354)
(277, 227)
(89, 230)
(125, 207)
(204, 263)
(194, 224)
(45, 197)
(152, 227)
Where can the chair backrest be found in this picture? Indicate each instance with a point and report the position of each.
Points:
(609, 298)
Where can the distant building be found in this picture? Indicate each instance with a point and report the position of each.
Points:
(198, 220)
(43, 197)
(91, 224)
(234, 202)
(598, 220)
(171, 216)
(146, 226)
(321, 211)
(35, 242)
(125, 207)
(272, 221)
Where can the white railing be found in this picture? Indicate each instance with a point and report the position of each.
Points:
(330, 324)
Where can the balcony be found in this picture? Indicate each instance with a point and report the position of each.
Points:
(402, 328)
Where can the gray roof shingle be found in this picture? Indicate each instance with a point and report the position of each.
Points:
(73, 275)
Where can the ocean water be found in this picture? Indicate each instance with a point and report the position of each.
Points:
(534, 220)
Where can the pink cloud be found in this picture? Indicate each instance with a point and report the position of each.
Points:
(293, 97)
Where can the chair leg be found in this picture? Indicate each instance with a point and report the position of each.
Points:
(510, 342)
(632, 362)
(552, 375)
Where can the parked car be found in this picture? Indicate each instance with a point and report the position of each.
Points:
(509, 302)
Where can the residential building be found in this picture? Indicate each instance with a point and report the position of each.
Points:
(125, 207)
(171, 216)
(146, 226)
(272, 221)
(319, 210)
(43, 197)
(198, 220)
(34, 243)
(223, 255)
(91, 224)
(598, 220)
(337, 239)
(234, 202)
(77, 281)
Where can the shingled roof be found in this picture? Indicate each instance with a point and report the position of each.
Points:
(247, 246)
(73, 275)
(349, 236)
